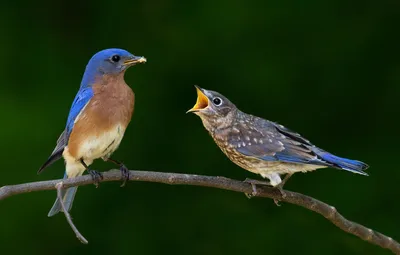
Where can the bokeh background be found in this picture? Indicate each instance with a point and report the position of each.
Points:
(329, 70)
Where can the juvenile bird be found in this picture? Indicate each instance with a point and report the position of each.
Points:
(261, 146)
(99, 115)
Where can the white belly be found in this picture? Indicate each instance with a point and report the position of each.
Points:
(94, 147)
(273, 170)
(284, 168)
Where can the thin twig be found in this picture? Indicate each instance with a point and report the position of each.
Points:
(329, 212)
(59, 187)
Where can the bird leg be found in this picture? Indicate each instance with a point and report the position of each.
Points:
(280, 185)
(96, 176)
(123, 168)
(280, 188)
(254, 184)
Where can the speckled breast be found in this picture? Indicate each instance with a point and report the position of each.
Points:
(249, 163)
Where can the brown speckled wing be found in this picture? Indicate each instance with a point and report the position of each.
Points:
(256, 137)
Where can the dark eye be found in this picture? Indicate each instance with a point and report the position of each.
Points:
(115, 58)
(217, 101)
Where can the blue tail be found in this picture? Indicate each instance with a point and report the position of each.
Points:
(354, 166)
(68, 196)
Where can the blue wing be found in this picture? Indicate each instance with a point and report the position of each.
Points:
(80, 101)
(270, 141)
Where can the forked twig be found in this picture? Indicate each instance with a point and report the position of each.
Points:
(59, 187)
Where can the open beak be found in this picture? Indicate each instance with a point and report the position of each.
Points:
(134, 60)
(202, 101)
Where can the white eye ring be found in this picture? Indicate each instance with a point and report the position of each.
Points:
(217, 101)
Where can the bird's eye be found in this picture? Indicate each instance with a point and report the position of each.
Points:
(217, 101)
(115, 58)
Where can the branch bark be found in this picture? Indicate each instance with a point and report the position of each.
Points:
(329, 212)
(59, 187)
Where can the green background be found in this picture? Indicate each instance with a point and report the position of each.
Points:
(329, 70)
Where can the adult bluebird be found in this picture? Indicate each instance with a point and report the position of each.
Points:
(261, 146)
(97, 120)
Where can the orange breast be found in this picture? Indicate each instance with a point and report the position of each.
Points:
(111, 105)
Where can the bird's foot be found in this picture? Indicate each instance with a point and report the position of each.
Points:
(96, 176)
(254, 184)
(124, 174)
(122, 167)
(283, 194)
(280, 188)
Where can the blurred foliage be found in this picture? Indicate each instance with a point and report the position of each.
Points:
(328, 69)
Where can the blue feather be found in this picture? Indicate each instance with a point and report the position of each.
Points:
(97, 66)
(354, 166)
(81, 99)
(322, 158)
(292, 158)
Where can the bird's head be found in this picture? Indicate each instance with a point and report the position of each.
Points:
(215, 110)
(113, 61)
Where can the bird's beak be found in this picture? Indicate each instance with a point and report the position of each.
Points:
(134, 60)
(202, 101)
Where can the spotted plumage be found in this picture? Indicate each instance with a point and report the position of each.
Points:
(261, 146)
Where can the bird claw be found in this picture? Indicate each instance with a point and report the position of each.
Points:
(124, 174)
(254, 184)
(253, 193)
(283, 194)
(122, 167)
(280, 185)
(96, 176)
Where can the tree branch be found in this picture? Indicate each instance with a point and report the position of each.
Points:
(329, 212)
(59, 187)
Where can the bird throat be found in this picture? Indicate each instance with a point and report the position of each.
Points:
(215, 123)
